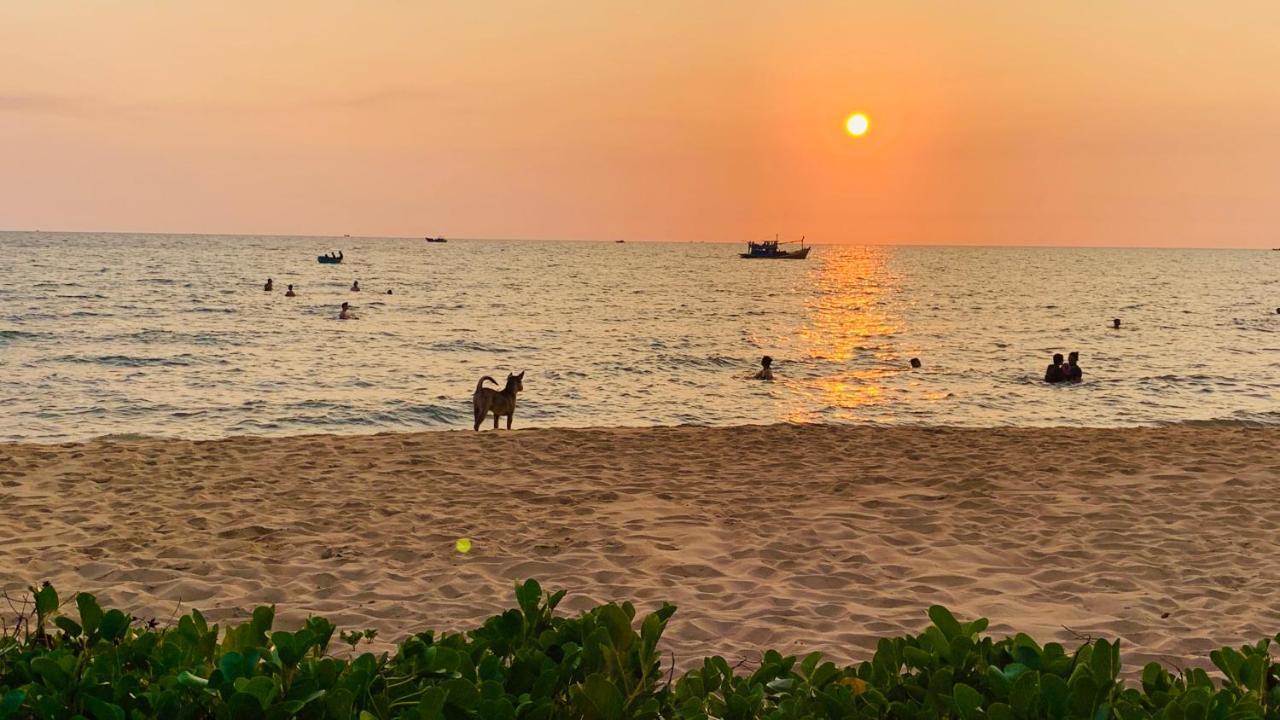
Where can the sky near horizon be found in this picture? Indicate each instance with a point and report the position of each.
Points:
(1001, 122)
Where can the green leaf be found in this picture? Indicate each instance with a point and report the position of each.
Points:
(1100, 663)
(292, 647)
(11, 702)
(431, 706)
(1025, 695)
(339, 702)
(461, 693)
(261, 688)
(967, 700)
(914, 657)
(90, 612)
(103, 710)
(46, 600)
(1054, 696)
(263, 618)
(1229, 662)
(1000, 711)
(114, 625)
(619, 626)
(1083, 693)
(946, 622)
(50, 671)
(599, 699)
(998, 683)
(529, 595)
(68, 626)
(244, 706)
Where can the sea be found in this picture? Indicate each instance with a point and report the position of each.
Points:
(132, 335)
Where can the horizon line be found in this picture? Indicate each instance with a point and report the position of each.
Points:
(626, 240)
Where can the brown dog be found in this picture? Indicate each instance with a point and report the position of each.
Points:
(499, 402)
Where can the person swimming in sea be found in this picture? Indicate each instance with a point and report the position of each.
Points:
(268, 287)
(290, 292)
(346, 312)
(1055, 373)
(766, 373)
(355, 286)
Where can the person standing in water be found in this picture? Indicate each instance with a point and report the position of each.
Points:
(1054, 373)
(346, 312)
(268, 287)
(290, 292)
(355, 286)
(1071, 372)
(766, 373)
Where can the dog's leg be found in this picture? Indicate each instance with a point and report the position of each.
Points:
(478, 412)
(495, 419)
(509, 416)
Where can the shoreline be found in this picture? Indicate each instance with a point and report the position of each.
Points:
(791, 537)
(356, 432)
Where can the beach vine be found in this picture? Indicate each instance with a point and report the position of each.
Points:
(72, 658)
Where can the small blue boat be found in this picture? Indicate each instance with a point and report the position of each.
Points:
(329, 259)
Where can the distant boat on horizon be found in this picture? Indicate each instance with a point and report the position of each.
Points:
(769, 250)
(436, 239)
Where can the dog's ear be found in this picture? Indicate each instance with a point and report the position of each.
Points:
(521, 375)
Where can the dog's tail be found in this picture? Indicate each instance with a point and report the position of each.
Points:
(481, 383)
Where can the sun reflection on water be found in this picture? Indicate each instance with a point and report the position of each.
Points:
(847, 340)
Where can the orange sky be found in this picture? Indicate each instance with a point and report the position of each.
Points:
(1006, 121)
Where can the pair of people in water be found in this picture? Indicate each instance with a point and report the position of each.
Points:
(355, 287)
(270, 287)
(1060, 372)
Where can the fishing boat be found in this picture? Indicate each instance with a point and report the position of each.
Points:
(329, 259)
(431, 239)
(770, 250)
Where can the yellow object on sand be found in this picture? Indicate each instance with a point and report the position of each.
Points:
(463, 545)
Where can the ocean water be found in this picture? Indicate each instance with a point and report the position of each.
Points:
(172, 335)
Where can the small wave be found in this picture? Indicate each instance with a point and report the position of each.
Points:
(169, 336)
(471, 346)
(709, 361)
(130, 361)
(126, 437)
(7, 335)
(1239, 419)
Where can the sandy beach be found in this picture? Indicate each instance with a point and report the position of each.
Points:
(791, 537)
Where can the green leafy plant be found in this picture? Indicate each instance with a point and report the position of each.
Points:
(73, 659)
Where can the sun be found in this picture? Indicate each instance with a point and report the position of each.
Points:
(857, 125)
